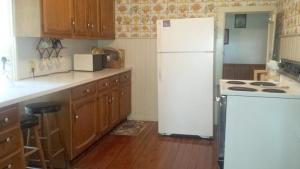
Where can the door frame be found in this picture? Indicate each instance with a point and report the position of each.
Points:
(221, 14)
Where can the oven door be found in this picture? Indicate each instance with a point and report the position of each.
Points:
(221, 129)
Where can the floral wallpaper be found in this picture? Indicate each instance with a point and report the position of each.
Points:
(288, 18)
(137, 18)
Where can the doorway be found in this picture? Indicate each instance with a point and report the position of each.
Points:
(245, 44)
(221, 23)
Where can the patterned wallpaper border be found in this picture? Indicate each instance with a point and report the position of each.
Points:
(288, 18)
(137, 18)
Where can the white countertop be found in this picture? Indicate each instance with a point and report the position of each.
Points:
(287, 84)
(12, 92)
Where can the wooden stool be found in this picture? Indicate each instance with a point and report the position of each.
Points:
(31, 122)
(44, 109)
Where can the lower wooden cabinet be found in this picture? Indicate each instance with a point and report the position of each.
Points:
(103, 112)
(114, 107)
(125, 100)
(84, 125)
(97, 110)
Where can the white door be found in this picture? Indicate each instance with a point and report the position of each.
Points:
(185, 35)
(185, 93)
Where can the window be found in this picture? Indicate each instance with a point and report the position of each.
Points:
(7, 40)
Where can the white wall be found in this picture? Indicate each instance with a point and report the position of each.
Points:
(141, 55)
(247, 45)
(26, 52)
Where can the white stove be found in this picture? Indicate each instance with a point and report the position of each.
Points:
(259, 124)
(286, 88)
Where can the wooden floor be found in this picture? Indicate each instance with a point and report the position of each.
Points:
(150, 151)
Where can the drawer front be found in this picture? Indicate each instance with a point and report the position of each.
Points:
(125, 78)
(114, 81)
(13, 162)
(84, 90)
(8, 117)
(10, 141)
(103, 84)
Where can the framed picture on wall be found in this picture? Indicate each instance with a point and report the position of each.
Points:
(240, 21)
(226, 37)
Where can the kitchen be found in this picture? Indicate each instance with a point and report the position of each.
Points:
(93, 106)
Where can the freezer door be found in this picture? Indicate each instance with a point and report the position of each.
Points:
(185, 93)
(185, 35)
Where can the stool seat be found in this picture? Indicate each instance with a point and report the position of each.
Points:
(42, 107)
(29, 121)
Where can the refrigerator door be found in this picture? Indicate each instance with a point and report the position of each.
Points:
(185, 93)
(185, 35)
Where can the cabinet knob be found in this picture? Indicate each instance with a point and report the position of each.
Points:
(6, 120)
(113, 98)
(122, 93)
(73, 22)
(92, 25)
(7, 139)
(9, 166)
(117, 81)
(106, 84)
(76, 117)
(88, 25)
(87, 90)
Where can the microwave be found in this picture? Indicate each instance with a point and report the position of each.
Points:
(89, 62)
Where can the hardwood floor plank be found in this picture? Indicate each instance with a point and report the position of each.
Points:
(149, 150)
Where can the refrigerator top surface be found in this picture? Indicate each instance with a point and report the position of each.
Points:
(185, 35)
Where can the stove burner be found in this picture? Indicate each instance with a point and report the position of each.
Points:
(236, 82)
(262, 84)
(273, 91)
(247, 89)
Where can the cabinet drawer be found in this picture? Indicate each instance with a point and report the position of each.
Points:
(14, 161)
(125, 78)
(84, 90)
(114, 81)
(103, 84)
(10, 141)
(8, 117)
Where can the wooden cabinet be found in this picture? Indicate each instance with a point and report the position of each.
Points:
(57, 18)
(83, 19)
(11, 143)
(97, 108)
(84, 125)
(103, 112)
(107, 21)
(114, 107)
(125, 101)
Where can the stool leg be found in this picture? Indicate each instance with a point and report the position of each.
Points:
(28, 137)
(48, 141)
(39, 146)
(61, 140)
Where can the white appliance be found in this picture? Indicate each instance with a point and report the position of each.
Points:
(89, 62)
(185, 56)
(260, 126)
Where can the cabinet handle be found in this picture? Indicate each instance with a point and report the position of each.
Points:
(106, 84)
(7, 140)
(88, 25)
(9, 166)
(92, 25)
(4, 121)
(117, 81)
(87, 90)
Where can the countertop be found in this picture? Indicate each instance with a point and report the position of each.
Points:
(12, 92)
(291, 86)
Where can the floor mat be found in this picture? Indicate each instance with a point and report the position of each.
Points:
(130, 128)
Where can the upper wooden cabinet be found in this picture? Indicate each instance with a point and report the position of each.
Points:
(107, 21)
(57, 18)
(74, 19)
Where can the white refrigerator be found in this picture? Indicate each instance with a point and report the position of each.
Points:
(185, 56)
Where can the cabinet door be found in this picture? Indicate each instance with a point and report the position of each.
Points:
(103, 113)
(93, 18)
(84, 123)
(107, 26)
(125, 101)
(81, 18)
(57, 18)
(114, 107)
